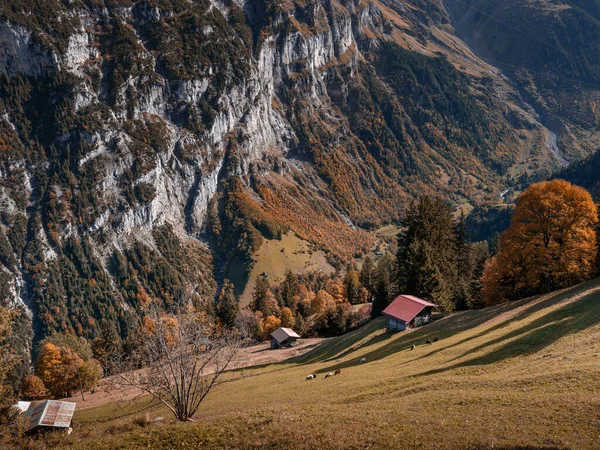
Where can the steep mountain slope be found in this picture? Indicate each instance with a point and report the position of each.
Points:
(146, 144)
(585, 173)
(548, 49)
(519, 375)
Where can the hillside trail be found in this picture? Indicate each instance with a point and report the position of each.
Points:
(247, 359)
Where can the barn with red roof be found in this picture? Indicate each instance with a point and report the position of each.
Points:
(408, 311)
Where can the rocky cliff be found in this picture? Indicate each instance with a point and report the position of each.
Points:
(144, 144)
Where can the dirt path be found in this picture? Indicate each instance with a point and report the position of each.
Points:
(256, 355)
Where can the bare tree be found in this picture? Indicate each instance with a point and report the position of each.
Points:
(177, 359)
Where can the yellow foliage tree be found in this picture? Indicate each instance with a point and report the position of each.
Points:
(287, 318)
(336, 289)
(551, 243)
(321, 302)
(269, 324)
(58, 368)
(90, 373)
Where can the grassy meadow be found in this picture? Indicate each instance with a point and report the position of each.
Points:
(524, 375)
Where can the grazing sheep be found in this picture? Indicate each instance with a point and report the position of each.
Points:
(435, 339)
(329, 375)
(311, 377)
(428, 342)
(412, 347)
(363, 360)
(337, 372)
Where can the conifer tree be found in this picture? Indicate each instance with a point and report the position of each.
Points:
(260, 295)
(228, 305)
(289, 288)
(426, 258)
(367, 275)
(383, 285)
(351, 286)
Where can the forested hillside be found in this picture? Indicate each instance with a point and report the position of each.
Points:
(145, 144)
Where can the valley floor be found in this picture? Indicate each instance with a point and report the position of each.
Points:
(518, 375)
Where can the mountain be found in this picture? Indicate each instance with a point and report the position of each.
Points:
(144, 145)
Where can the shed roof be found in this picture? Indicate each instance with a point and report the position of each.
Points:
(282, 334)
(406, 307)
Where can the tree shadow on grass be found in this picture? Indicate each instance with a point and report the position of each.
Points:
(537, 335)
(537, 304)
(441, 329)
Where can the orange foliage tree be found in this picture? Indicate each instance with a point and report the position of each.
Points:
(33, 388)
(551, 243)
(269, 324)
(58, 368)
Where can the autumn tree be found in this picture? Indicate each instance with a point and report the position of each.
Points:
(287, 318)
(33, 388)
(228, 305)
(78, 344)
(269, 324)
(246, 323)
(109, 343)
(550, 244)
(58, 368)
(89, 374)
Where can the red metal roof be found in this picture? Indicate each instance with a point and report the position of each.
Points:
(406, 308)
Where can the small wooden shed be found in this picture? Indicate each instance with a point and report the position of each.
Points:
(283, 337)
(51, 414)
(408, 311)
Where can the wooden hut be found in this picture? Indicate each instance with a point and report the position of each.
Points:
(408, 311)
(283, 337)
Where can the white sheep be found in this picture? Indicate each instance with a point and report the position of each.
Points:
(311, 377)
(363, 360)
(330, 374)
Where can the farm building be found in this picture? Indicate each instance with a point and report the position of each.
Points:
(407, 311)
(283, 337)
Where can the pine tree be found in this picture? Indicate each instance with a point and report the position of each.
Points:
(367, 275)
(289, 288)
(261, 294)
(351, 286)
(228, 305)
(480, 257)
(425, 262)
(462, 249)
(383, 285)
